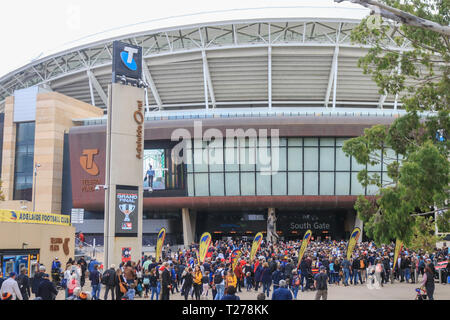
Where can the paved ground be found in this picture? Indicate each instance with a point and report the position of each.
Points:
(396, 291)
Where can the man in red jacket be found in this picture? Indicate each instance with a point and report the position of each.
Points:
(239, 275)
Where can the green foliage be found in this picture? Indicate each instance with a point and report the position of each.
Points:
(424, 237)
(443, 221)
(419, 171)
(421, 72)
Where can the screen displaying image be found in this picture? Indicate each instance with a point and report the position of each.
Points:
(154, 169)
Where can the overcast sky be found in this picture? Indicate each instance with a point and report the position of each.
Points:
(30, 28)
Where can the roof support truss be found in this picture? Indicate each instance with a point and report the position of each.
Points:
(151, 84)
(93, 82)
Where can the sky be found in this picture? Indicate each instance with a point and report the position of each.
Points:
(30, 29)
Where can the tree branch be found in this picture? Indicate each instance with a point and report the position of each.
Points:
(401, 16)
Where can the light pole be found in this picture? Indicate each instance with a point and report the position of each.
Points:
(37, 165)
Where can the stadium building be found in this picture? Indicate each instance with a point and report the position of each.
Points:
(290, 70)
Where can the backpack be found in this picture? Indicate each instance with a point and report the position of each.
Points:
(321, 282)
(105, 278)
(218, 277)
(146, 281)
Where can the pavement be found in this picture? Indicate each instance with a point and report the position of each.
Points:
(396, 291)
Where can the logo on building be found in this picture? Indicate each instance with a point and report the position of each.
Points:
(127, 56)
(87, 161)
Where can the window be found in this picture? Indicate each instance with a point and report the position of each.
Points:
(24, 161)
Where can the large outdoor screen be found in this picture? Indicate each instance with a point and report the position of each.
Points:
(154, 169)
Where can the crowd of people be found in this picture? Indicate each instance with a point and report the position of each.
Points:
(273, 273)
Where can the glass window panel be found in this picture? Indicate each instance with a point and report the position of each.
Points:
(200, 161)
(342, 183)
(189, 165)
(247, 159)
(386, 179)
(215, 159)
(356, 166)
(263, 157)
(216, 184)
(263, 184)
(388, 158)
(377, 167)
(326, 159)
(279, 184)
(231, 159)
(311, 159)
(295, 158)
(372, 189)
(295, 183)
(295, 142)
(311, 183)
(327, 183)
(278, 159)
(327, 142)
(342, 161)
(340, 141)
(248, 184)
(201, 184)
(311, 142)
(190, 180)
(282, 142)
(357, 188)
(232, 184)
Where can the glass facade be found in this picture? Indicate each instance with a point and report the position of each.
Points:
(24, 160)
(295, 166)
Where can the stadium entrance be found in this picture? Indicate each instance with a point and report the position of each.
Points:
(325, 224)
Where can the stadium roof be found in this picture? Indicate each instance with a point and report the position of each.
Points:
(251, 57)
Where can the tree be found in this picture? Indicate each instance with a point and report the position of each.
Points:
(424, 237)
(414, 149)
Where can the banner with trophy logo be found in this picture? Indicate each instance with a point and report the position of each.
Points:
(205, 242)
(398, 248)
(126, 211)
(354, 236)
(256, 244)
(160, 243)
(235, 255)
(305, 243)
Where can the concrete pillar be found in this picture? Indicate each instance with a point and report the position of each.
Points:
(123, 195)
(189, 221)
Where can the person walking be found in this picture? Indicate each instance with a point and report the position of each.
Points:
(219, 282)
(10, 286)
(282, 293)
(266, 279)
(72, 283)
(153, 284)
(24, 284)
(295, 283)
(109, 281)
(121, 284)
(47, 290)
(205, 283)
(428, 281)
(95, 278)
(37, 280)
(320, 283)
(231, 294)
(188, 281)
(166, 281)
(197, 277)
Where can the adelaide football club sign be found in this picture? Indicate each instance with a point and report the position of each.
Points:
(126, 211)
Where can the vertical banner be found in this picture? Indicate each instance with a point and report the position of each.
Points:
(235, 255)
(205, 242)
(398, 248)
(305, 242)
(160, 243)
(352, 241)
(255, 245)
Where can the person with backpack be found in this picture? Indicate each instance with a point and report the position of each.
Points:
(295, 283)
(72, 283)
(146, 283)
(24, 284)
(188, 281)
(109, 281)
(320, 283)
(219, 282)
